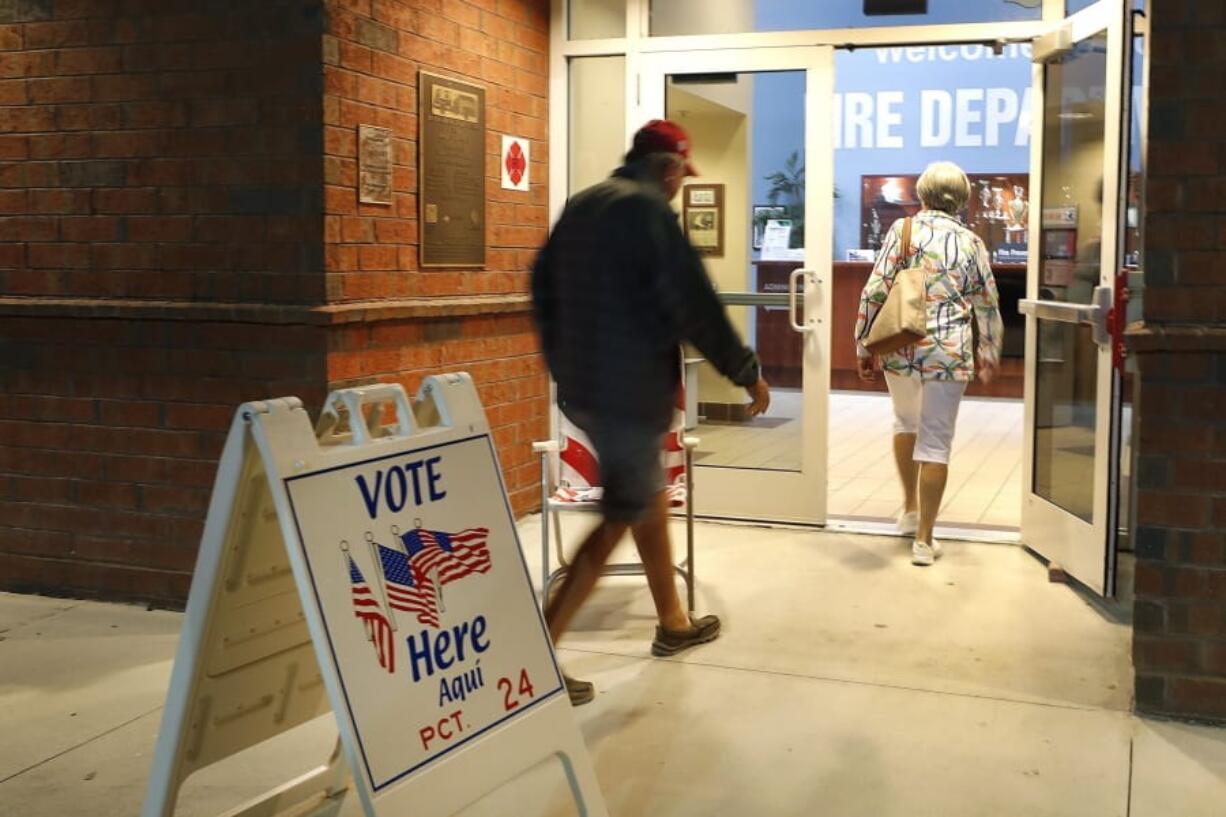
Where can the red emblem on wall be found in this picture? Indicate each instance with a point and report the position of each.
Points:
(515, 163)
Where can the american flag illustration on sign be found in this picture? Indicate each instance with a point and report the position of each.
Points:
(412, 580)
(408, 589)
(366, 607)
(449, 556)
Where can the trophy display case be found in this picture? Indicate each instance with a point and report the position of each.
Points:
(998, 210)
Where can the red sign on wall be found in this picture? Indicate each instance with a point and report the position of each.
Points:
(514, 163)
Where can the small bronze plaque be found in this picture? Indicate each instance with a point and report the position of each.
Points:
(451, 171)
(374, 165)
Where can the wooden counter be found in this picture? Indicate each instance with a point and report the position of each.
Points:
(779, 347)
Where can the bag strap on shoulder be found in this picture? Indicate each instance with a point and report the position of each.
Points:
(906, 242)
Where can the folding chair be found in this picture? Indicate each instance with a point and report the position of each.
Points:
(570, 483)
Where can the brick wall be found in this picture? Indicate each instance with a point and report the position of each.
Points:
(110, 430)
(160, 149)
(373, 50)
(179, 232)
(160, 188)
(1180, 615)
(498, 350)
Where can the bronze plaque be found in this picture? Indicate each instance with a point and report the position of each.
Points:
(374, 165)
(451, 172)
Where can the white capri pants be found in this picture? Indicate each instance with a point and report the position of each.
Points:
(927, 409)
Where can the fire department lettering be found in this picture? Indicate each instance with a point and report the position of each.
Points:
(400, 485)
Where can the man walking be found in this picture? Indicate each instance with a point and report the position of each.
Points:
(616, 290)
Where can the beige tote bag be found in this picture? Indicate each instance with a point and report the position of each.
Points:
(903, 318)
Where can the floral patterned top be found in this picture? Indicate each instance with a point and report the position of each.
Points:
(959, 285)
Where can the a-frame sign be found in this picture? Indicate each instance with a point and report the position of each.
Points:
(369, 566)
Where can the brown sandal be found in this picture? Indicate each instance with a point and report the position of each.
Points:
(669, 642)
(580, 692)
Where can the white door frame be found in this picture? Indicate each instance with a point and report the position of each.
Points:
(755, 494)
(636, 45)
(637, 41)
(1085, 550)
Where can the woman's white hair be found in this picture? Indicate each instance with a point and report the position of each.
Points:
(943, 186)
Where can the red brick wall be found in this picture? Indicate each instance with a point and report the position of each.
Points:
(150, 150)
(498, 350)
(373, 50)
(1180, 614)
(179, 233)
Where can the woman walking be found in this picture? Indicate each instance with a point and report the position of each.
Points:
(927, 379)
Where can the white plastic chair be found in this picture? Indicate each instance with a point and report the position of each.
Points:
(570, 484)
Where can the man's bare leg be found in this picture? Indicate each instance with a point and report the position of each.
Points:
(656, 554)
(585, 569)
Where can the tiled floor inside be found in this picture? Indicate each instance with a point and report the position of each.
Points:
(847, 683)
(985, 476)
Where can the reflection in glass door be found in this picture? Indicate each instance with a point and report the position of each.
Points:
(1070, 247)
(749, 213)
(746, 215)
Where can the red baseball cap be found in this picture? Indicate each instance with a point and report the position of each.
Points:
(663, 136)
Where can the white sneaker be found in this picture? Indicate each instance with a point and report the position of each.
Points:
(925, 554)
(907, 524)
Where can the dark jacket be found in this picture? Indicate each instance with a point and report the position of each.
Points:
(616, 290)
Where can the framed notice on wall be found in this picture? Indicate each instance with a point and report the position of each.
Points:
(374, 165)
(702, 214)
(451, 172)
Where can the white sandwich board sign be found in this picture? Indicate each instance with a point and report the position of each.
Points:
(369, 566)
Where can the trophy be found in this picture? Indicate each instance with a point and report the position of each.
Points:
(985, 197)
(1017, 207)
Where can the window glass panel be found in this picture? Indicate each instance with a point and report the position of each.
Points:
(597, 19)
(597, 118)
(1135, 194)
(747, 134)
(678, 17)
(898, 109)
(728, 438)
(1074, 125)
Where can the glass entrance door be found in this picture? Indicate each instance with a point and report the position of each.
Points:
(1074, 371)
(760, 212)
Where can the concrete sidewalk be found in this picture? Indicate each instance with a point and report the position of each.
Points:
(847, 683)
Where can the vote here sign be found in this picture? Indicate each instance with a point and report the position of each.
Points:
(430, 616)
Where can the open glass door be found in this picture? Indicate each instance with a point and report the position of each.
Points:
(765, 232)
(1070, 509)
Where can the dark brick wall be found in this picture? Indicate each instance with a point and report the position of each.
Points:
(1180, 615)
(110, 430)
(150, 150)
(161, 149)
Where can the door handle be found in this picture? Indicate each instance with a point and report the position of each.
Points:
(797, 274)
(1094, 313)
